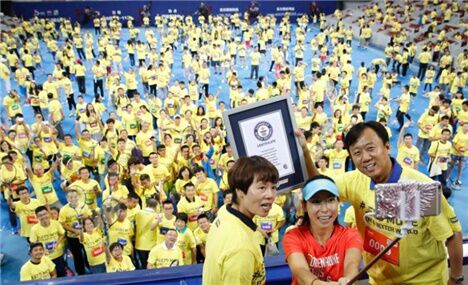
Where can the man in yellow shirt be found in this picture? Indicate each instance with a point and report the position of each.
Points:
(12, 105)
(200, 233)
(403, 110)
(25, 208)
(71, 217)
(440, 154)
(146, 226)
(167, 253)
(208, 191)
(39, 267)
(56, 115)
(426, 123)
(167, 220)
(51, 234)
(408, 154)
(459, 154)
(369, 147)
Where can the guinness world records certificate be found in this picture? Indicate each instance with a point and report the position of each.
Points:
(266, 129)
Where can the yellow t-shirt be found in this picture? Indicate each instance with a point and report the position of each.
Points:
(41, 271)
(43, 188)
(441, 152)
(89, 188)
(460, 141)
(192, 209)
(116, 266)
(94, 246)
(27, 215)
(408, 156)
(337, 160)
(200, 236)
(163, 226)
(275, 216)
(160, 256)
(206, 190)
(145, 238)
(122, 233)
(49, 237)
(237, 258)
(404, 103)
(426, 242)
(186, 242)
(69, 217)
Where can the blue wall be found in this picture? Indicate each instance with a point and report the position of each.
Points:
(75, 9)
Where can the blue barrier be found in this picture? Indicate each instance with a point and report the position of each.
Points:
(277, 273)
(75, 10)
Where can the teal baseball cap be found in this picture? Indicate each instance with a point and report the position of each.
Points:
(318, 184)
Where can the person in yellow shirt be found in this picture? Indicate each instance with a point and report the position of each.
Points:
(403, 110)
(51, 234)
(254, 63)
(146, 226)
(12, 105)
(25, 208)
(369, 147)
(116, 261)
(90, 188)
(337, 158)
(426, 123)
(208, 191)
(440, 154)
(93, 242)
(167, 253)
(39, 267)
(41, 182)
(408, 154)
(459, 154)
(120, 229)
(191, 204)
(71, 217)
(269, 226)
(232, 236)
(200, 233)
(185, 239)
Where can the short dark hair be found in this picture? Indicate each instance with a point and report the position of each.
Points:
(246, 169)
(114, 245)
(202, 216)
(182, 217)
(33, 245)
(40, 209)
(356, 131)
(188, 184)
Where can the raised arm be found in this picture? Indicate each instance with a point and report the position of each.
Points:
(311, 169)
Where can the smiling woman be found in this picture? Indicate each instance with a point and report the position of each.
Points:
(321, 251)
(233, 254)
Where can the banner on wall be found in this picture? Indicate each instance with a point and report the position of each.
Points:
(84, 11)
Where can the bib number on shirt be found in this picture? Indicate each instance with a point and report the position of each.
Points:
(149, 142)
(443, 159)
(22, 136)
(50, 246)
(31, 219)
(14, 107)
(133, 126)
(86, 154)
(203, 196)
(375, 242)
(97, 251)
(408, 161)
(336, 165)
(47, 139)
(266, 226)
(46, 189)
(122, 241)
(193, 218)
(76, 226)
(93, 125)
(89, 201)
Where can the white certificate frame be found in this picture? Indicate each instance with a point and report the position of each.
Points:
(238, 119)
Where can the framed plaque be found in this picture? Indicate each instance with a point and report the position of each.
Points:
(266, 128)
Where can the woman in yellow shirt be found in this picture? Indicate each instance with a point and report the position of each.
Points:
(94, 245)
(116, 260)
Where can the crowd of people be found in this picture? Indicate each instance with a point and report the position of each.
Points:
(146, 167)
